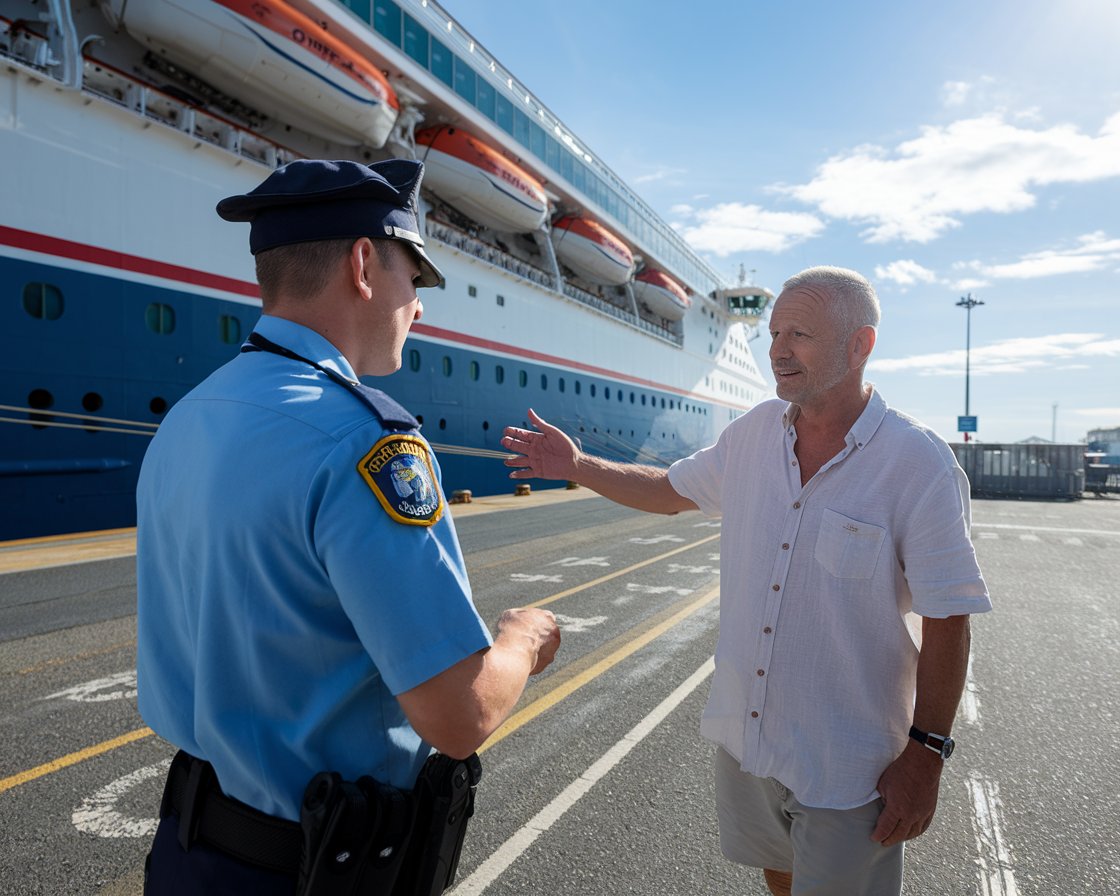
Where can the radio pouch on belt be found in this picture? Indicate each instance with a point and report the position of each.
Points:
(444, 800)
(355, 834)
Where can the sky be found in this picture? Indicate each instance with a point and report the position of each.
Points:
(942, 150)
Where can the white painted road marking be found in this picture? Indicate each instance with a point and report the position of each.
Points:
(997, 876)
(656, 539)
(581, 561)
(657, 589)
(530, 577)
(694, 570)
(98, 814)
(570, 624)
(121, 686)
(506, 854)
(1047, 529)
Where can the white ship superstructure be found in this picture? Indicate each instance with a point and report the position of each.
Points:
(122, 124)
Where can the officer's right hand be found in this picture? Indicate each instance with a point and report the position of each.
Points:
(539, 630)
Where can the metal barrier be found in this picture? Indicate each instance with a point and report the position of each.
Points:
(1023, 471)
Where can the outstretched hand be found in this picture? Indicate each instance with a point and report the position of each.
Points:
(546, 454)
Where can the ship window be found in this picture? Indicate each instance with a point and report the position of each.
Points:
(567, 164)
(446, 366)
(522, 379)
(592, 390)
(442, 423)
(520, 127)
(475, 370)
(361, 7)
(560, 384)
(643, 401)
(485, 425)
(91, 402)
(503, 113)
(484, 101)
(442, 65)
(229, 329)
(501, 301)
(414, 360)
(536, 140)
(577, 387)
(157, 405)
(160, 318)
(40, 400)
(42, 301)
(465, 80)
(387, 20)
(544, 382)
(631, 398)
(607, 393)
(472, 291)
(415, 40)
(552, 153)
(499, 374)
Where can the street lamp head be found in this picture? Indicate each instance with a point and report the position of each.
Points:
(968, 302)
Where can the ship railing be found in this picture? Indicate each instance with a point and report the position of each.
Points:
(464, 242)
(30, 50)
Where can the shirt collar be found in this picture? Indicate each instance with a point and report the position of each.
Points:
(304, 341)
(864, 427)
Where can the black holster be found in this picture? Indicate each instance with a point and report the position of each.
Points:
(369, 839)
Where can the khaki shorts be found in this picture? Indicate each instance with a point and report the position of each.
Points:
(829, 851)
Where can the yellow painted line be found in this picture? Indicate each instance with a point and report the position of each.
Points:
(622, 572)
(73, 758)
(511, 724)
(534, 709)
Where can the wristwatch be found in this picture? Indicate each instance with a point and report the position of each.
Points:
(941, 744)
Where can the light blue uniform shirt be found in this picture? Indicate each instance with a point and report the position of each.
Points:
(281, 606)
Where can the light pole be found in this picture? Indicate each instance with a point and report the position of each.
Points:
(967, 303)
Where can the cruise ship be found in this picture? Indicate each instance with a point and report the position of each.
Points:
(123, 122)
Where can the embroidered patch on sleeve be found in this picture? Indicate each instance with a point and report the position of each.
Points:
(399, 471)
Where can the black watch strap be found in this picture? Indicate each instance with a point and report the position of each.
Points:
(941, 744)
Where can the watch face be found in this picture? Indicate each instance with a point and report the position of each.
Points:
(947, 748)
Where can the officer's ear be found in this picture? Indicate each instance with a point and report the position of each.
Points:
(363, 261)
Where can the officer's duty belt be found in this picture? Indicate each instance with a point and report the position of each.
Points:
(209, 816)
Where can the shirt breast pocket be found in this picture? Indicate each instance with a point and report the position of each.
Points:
(848, 548)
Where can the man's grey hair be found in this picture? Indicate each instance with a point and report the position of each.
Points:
(854, 301)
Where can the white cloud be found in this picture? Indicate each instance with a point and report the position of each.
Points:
(659, 174)
(922, 187)
(905, 272)
(1092, 252)
(954, 93)
(734, 227)
(1009, 356)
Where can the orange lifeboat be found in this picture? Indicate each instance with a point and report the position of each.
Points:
(662, 294)
(480, 181)
(592, 251)
(272, 57)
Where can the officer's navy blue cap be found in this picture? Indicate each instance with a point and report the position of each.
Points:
(310, 200)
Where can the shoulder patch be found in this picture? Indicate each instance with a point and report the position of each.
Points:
(398, 469)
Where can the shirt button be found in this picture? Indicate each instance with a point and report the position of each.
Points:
(754, 715)
(796, 504)
(767, 630)
(776, 587)
(793, 463)
(785, 547)
(761, 672)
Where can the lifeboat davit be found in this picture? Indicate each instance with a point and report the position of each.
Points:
(480, 181)
(273, 58)
(662, 294)
(592, 251)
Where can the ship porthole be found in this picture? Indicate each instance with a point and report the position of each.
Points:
(158, 406)
(40, 400)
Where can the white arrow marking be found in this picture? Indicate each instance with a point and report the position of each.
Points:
(656, 539)
(99, 816)
(581, 561)
(695, 570)
(656, 589)
(97, 691)
(537, 577)
(570, 624)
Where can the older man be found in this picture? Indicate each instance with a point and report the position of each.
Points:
(848, 577)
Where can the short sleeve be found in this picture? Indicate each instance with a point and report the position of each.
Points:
(404, 587)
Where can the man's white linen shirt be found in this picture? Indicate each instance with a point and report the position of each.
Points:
(821, 586)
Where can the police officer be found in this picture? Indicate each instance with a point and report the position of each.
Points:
(303, 601)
